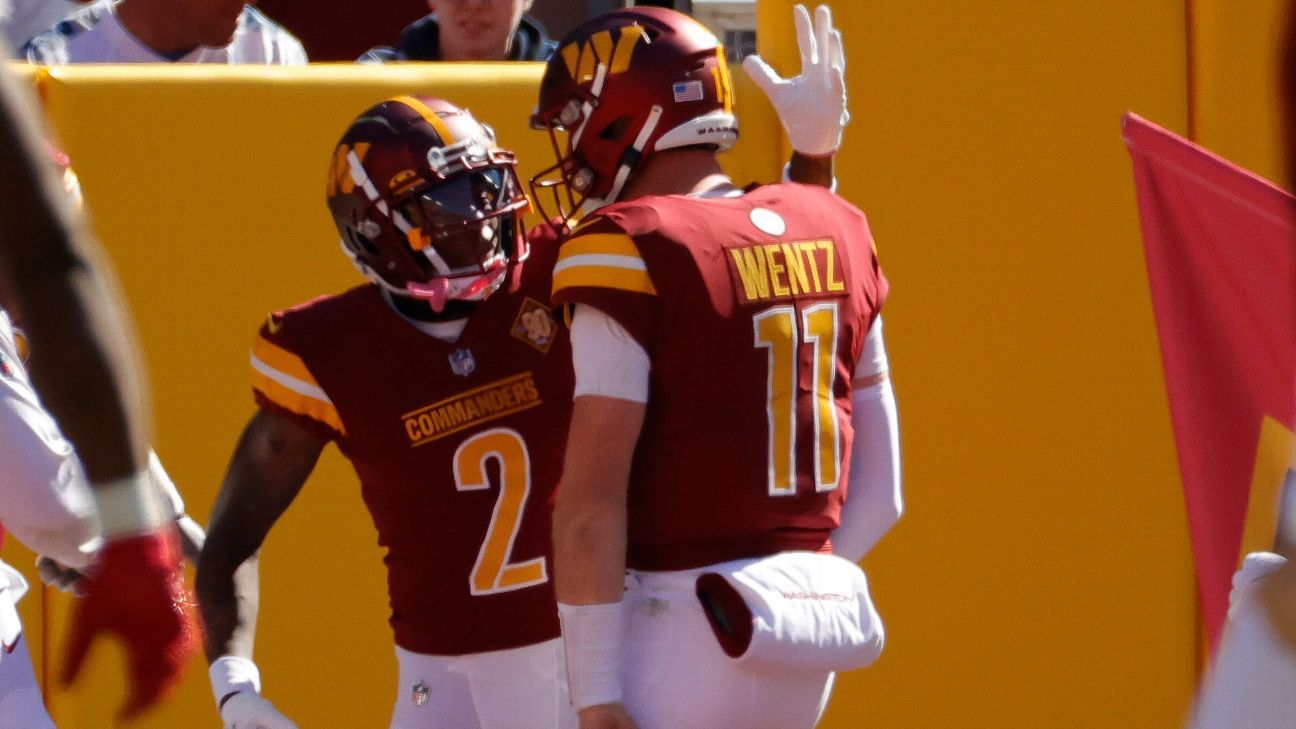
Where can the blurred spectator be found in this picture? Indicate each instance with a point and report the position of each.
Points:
(340, 30)
(474, 30)
(152, 31)
(21, 20)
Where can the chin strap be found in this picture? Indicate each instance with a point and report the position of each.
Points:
(628, 161)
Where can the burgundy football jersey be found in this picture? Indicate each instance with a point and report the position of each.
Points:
(753, 312)
(458, 448)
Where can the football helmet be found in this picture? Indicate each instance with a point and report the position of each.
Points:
(427, 205)
(622, 86)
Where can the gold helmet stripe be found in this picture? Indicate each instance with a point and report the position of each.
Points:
(443, 131)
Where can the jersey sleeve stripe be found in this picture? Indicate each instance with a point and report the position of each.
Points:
(599, 243)
(305, 389)
(281, 360)
(629, 263)
(603, 276)
(294, 395)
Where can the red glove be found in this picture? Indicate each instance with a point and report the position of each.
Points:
(136, 591)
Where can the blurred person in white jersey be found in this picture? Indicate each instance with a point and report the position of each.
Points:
(21, 20)
(160, 31)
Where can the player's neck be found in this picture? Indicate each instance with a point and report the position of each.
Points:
(677, 172)
(156, 26)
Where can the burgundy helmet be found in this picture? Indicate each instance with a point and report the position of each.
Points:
(622, 86)
(427, 205)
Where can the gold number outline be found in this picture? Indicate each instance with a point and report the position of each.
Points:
(775, 329)
(493, 572)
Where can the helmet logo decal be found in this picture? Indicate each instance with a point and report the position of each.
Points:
(583, 58)
(339, 179)
(723, 81)
(402, 181)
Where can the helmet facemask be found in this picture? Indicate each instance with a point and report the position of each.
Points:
(465, 229)
(571, 184)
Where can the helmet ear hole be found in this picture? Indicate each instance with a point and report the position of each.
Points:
(616, 129)
(360, 243)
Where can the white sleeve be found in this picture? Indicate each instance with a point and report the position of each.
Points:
(874, 501)
(873, 360)
(607, 360)
(45, 499)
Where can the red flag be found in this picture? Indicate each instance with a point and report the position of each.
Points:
(1221, 257)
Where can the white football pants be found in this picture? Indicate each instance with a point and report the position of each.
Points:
(21, 706)
(674, 675)
(519, 688)
(1253, 682)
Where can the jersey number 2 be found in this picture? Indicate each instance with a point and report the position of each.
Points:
(493, 572)
(777, 331)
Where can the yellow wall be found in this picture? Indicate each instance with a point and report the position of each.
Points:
(1041, 577)
(1236, 108)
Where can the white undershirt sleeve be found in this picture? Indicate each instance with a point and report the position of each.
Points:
(874, 501)
(607, 360)
(45, 499)
(873, 360)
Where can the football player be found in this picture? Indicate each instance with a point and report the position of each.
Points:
(730, 366)
(447, 418)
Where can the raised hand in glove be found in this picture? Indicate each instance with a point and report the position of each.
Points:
(812, 105)
(135, 590)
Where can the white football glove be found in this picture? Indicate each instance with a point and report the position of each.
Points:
(1255, 567)
(236, 684)
(812, 106)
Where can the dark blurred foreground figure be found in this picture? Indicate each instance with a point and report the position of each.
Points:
(55, 279)
(470, 30)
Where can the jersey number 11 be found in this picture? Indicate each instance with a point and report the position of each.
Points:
(777, 331)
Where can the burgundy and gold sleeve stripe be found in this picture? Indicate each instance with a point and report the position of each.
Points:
(602, 260)
(283, 379)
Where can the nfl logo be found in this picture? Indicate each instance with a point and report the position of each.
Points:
(462, 362)
(6, 369)
(420, 694)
